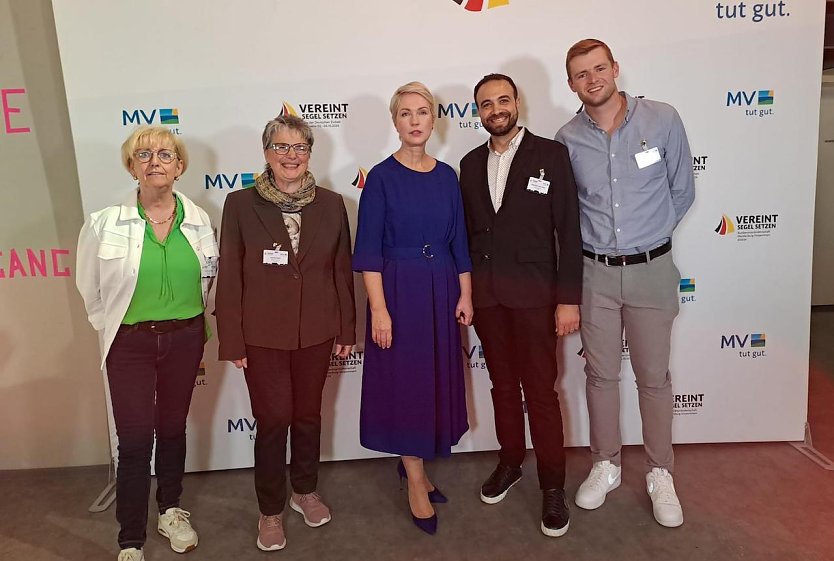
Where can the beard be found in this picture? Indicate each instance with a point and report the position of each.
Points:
(501, 130)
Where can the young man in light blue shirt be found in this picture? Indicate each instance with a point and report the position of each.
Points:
(633, 170)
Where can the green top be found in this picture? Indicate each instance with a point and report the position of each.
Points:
(168, 285)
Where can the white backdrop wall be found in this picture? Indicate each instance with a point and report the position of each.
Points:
(744, 79)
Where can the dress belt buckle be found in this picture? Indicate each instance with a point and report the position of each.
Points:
(615, 260)
(427, 251)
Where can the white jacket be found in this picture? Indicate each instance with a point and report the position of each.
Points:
(109, 251)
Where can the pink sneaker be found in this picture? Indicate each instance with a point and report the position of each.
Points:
(271, 532)
(315, 512)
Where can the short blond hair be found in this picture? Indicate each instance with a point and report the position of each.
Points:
(144, 136)
(410, 88)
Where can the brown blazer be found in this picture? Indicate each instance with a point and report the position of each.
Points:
(291, 306)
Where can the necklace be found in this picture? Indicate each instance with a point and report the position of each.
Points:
(148, 216)
(152, 221)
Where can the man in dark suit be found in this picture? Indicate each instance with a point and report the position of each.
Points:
(518, 196)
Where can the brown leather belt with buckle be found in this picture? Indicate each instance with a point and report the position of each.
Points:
(163, 326)
(623, 260)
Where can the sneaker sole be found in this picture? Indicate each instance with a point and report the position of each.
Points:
(596, 504)
(297, 508)
(185, 549)
(669, 523)
(497, 499)
(275, 547)
(555, 533)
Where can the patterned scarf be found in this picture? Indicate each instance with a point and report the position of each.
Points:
(287, 202)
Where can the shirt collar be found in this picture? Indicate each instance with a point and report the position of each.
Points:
(630, 104)
(514, 143)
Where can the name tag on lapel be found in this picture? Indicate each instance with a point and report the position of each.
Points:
(537, 185)
(276, 257)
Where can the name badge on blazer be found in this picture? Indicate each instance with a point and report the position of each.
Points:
(538, 184)
(276, 257)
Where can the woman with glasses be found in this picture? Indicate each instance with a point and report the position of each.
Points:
(144, 270)
(284, 299)
(412, 251)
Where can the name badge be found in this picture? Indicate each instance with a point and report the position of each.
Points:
(276, 257)
(647, 157)
(209, 268)
(536, 185)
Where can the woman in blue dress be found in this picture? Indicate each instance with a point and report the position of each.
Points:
(412, 251)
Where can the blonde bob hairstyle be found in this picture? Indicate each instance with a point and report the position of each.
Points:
(410, 88)
(146, 136)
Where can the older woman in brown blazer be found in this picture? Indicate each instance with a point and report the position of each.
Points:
(284, 298)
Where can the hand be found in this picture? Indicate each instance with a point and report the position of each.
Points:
(240, 363)
(342, 351)
(381, 328)
(567, 319)
(464, 311)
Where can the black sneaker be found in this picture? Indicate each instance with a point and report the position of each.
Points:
(496, 486)
(555, 513)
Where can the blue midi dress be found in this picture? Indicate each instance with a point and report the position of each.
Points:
(411, 229)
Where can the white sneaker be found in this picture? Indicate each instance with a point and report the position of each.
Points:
(174, 525)
(131, 554)
(665, 504)
(604, 478)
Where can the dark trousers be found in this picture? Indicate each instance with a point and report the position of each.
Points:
(520, 352)
(285, 391)
(151, 378)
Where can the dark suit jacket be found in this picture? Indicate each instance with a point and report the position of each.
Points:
(514, 253)
(288, 306)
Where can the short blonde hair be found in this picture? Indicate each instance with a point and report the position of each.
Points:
(146, 135)
(410, 88)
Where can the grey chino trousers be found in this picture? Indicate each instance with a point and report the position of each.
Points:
(641, 299)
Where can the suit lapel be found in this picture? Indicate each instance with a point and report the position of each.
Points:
(273, 221)
(515, 180)
(311, 218)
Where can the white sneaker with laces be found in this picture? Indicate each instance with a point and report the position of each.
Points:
(174, 525)
(131, 554)
(604, 478)
(665, 504)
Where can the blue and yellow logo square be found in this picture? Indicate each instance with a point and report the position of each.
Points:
(765, 97)
(169, 116)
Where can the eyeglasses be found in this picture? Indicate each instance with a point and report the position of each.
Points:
(282, 148)
(165, 156)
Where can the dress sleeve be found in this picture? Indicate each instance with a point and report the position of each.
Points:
(370, 227)
(460, 242)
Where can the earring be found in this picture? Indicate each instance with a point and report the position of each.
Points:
(177, 178)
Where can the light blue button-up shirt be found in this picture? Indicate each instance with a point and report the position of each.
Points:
(624, 209)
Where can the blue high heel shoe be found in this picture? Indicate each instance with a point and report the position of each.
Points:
(435, 496)
(428, 525)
